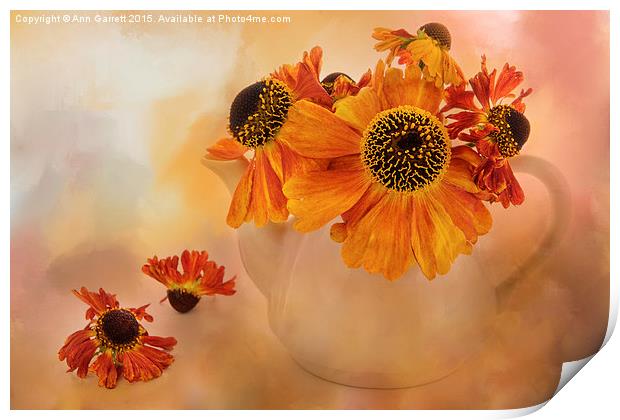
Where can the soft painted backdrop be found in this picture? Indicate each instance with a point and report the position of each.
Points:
(108, 124)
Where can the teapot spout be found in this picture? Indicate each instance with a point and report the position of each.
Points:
(268, 253)
(229, 171)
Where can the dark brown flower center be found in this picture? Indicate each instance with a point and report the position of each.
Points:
(439, 33)
(258, 112)
(405, 149)
(182, 300)
(513, 129)
(120, 326)
(329, 80)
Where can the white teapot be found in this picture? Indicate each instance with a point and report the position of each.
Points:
(355, 328)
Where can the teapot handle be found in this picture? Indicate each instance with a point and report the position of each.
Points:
(559, 194)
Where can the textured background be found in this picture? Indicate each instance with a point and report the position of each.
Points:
(108, 124)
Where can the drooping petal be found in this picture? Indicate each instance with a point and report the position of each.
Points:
(286, 163)
(226, 149)
(318, 197)
(380, 242)
(435, 239)
(267, 202)
(338, 232)
(392, 40)
(240, 202)
(166, 343)
(460, 172)
(467, 154)
(106, 370)
(496, 177)
(467, 212)
(78, 350)
(138, 367)
(371, 197)
(98, 302)
(313, 131)
(451, 71)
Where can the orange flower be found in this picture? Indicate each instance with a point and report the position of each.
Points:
(123, 346)
(429, 49)
(404, 194)
(498, 130)
(200, 277)
(257, 115)
(339, 85)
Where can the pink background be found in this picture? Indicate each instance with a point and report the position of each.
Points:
(108, 125)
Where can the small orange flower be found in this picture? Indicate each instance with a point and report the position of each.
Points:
(122, 346)
(339, 85)
(258, 115)
(200, 277)
(429, 48)
(403, 193)
(498, 130)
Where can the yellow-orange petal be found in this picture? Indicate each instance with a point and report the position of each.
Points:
(345, 162)
(314, 59)
(240, 202)
(286, 163)
(360, 109)
(381, 241)
(267, 202)
(377, 81)
(411, 88)
(467, 154)
(308, 86)
(313, 131)
(425, 49)
(318, 197)
(226, 149)
(338, 232)
(466, 211)
(460, 174)
(435, 239)
(371, 197)
(451, 72)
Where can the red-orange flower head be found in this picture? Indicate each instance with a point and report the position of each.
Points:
(123, 345)
(200, 277)
(498, 128)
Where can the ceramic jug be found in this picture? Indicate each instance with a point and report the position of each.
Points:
(359, 329)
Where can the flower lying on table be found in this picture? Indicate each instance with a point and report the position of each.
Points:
(200, 277)
(122, 346)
